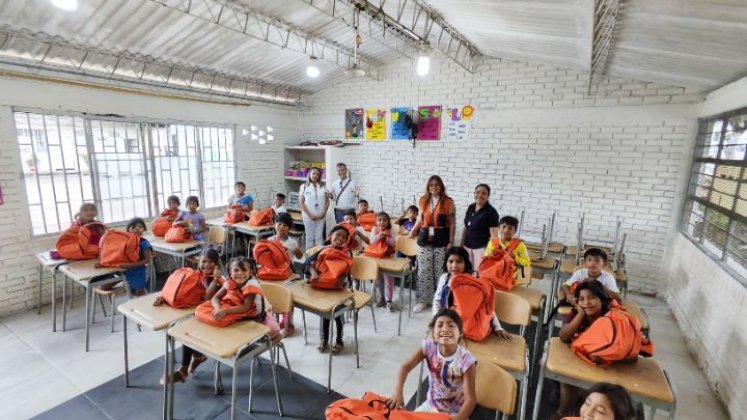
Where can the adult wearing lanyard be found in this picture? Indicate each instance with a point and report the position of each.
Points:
(434, 229)
(345, 192)
(314, 205)
(481, 218)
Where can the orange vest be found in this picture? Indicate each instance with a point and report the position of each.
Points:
(430, 216)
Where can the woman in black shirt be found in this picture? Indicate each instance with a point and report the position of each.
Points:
(481, 217)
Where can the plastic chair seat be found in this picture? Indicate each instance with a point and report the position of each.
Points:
(508, 354)
(361, 298)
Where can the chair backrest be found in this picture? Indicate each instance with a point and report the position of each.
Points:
(524, 276)
(217, 235)
(495, 388)
(512, 309)
(279, 297)
(407, 246)
(364, 268)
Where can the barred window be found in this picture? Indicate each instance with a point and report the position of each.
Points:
(127, 168)
(715, 215)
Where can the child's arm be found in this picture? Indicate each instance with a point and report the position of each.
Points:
(569, 329)
(436, 306)
(498, 328)
(397, 400)
(147, 257)
(521, 256)
(470, 399)
(215, 301)
(245, 307)
(214, 285)
(362, 236)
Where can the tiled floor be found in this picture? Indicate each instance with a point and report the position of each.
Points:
(42, 369)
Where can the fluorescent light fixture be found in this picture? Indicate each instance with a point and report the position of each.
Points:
(312, 70)
(66, 5)
(424, 64)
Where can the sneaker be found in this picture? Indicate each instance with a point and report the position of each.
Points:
(381, 303)
(420, 307)
(391, 307)
(337, 348)
(323, 347)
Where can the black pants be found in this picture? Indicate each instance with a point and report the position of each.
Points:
(187, 354)
(338, 329)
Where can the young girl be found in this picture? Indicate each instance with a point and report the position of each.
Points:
(605, 401)
(86, 215)
(338, 238)
(457, 262)
(172, 211)
(136, 274)
(383, 232)
(193, 220)
(451, 370)
(283, 223)
(407, 221)
(241, 199)
(592, 302)
(209, 266)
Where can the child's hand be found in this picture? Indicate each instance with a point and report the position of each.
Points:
(217, 274)
(570, 298)
(503, 335)
(219, 314)
(397, 400)
(159, 301)
(313, 276)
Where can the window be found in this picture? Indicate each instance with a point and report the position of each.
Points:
(127, 168)
(715, 214)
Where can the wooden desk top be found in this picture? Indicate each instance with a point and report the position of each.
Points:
(644, 377)
(296, 215)
(219, 342)
(159, 244)
(246, 227)
(318, 300)
(217, 221)
(142, 311)
(284, 282)
(82, 271)
(508, 354)
(46, 260)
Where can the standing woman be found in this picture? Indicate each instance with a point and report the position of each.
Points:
(434, 229)
(314, 205)
(480, 219)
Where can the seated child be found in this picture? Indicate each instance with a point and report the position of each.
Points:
(383, 232)
(362, 208)
(193, 220)
(506, 229)
(407, 221)
(594, 260)
(360, 234)
(283, 223)
(209, 267)
(86, 215)
(136, 273)
(457, 262)
(278, 205)
(452, 370)
(241, 199)
(607, 401)
(172, 211)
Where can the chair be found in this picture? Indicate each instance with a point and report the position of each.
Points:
(513, 309)
(409, 248)
(112, 293)
(495, 389)
(281, 301)
(364, 269)
(217, 236)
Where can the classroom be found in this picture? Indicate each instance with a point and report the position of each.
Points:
(382, 209)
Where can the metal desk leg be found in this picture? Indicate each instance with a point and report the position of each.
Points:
(330, 338)
(401, 302)
(39, 294)
(234, 386)
(54, 299)
(126, 362)
(538, 395)
(64, 301)
(274, 374)
(166, 379)
(89, 310)
(355, 334)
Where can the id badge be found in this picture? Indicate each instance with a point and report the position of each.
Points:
(431, 231)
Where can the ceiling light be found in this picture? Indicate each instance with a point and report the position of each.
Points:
(312, 70)
(66, 5)
(424, 64)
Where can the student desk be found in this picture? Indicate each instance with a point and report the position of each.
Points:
(85, 274)
(156, 318)
(511, 355)
(46, 262)
(256, 231)
(180, 250)
(228, 345)
(285, 283)
(400, 268)
(644, 380)
(328, 304)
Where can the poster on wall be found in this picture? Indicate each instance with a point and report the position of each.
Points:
(375, 124)
(460, 122)
(400, 127)
(354, 124)
(429, 122)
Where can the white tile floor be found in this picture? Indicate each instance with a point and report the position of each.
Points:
(42, 369)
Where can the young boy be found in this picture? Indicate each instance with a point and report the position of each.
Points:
(594, 260)
(360, 234)
(363, 208)
(506, 229)
(241, 199)
(279, 204)
(283, 223)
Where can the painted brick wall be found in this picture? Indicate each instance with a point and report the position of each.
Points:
(540, 141)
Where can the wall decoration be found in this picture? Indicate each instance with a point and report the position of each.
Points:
(429, 122)
(375, 124)
(460, 122)
(354, 124)
(401, 125)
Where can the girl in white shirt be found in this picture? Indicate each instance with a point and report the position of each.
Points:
(314, 201)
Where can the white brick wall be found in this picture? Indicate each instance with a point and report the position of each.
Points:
(540, 141)
(257, 164)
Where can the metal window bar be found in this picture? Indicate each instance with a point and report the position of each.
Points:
(218, 171)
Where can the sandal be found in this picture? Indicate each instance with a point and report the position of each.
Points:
(177, 376)
(196, 361)
(337, 347)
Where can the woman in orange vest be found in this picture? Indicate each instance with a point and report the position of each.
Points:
(434, 229)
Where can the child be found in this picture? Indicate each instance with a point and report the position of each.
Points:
(506, 229)
(451, 370)
(592, 302)
(278, 206)
(86, 215)
(360, 233)
(192, 219)
(594, 260)
(283, 224)
(383, 232)
(338, 238)
(457, 262)
(241, 199)
(172, 211)
(407, 221)
(362, 207)
(609, 402)
(136, 273)
(209, 266)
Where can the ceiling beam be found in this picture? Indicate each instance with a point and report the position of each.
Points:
(602, 37)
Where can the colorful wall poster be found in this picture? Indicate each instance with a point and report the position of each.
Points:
(460, 122)
(375, 124)
(354, 124)
(401, 130)
(429, 122)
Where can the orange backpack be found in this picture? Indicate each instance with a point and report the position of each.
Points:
(614, 337)
(234, 297)
(333, 266)
(352, 243)
(473, 301)
(499, 269)
(119, 247)
(380, 248)
(273, 259)
(373, 407)
(263, 217)
(367, 221)
(234, 215)
(160, 226)
(177, 234)
(184, 288)
(75, 243)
